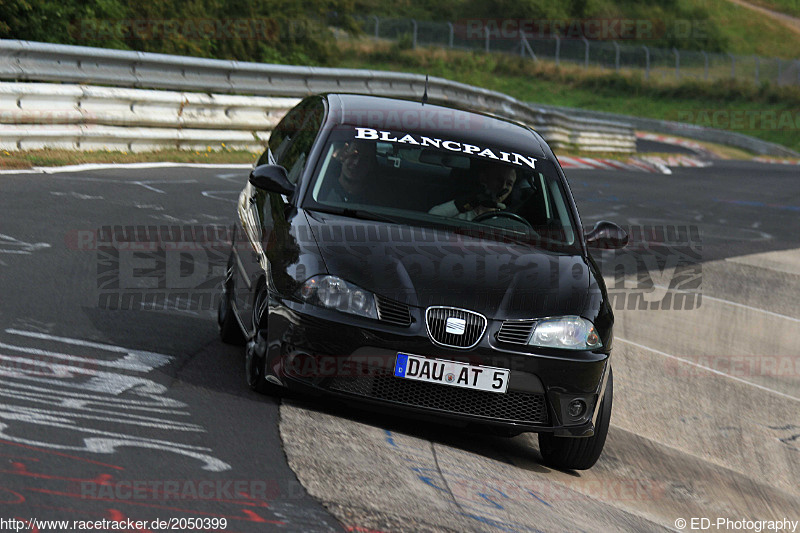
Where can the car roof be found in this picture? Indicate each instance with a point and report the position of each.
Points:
(432, 120)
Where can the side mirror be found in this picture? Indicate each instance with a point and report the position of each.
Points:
(271, 178)
(606, 235)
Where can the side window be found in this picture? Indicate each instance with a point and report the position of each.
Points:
(291, 140)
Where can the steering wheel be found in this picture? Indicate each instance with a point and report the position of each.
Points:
(502, 214)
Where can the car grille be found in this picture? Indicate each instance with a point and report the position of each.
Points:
(393, 312)
(512, 406)
(516, 331)
(436, 319)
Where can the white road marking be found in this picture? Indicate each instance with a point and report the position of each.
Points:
(692, 363)
(735, 304)
(16, 246)
(155, 404)
(106, 442)
(237, 175)
(158, 423)
(115, 166)
(129, 362)
(142, 183)
(220, 195)
(105, 397)
(751, 308)
(77, 195)
(157, 359)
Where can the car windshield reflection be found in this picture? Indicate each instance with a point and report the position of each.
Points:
(428, 186)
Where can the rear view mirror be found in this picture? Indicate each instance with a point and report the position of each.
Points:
(606, 235)
(271, 178)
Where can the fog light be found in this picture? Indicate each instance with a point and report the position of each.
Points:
(576, 408)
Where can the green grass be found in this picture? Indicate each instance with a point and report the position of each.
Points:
(727, 105)
(51, 157)
(749, 32)
(789, 7)
(711, 25)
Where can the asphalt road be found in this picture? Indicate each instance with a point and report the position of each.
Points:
(141, 413)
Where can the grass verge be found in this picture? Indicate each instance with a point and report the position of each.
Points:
(53, 158)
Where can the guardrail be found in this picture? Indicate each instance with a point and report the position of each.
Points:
(682, 129)
(38, 115)
(35, 62)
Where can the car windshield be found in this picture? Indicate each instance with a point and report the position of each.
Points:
(419, 180)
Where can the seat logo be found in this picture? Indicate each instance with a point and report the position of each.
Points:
(454, 325)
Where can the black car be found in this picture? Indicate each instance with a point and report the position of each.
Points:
(425, 261)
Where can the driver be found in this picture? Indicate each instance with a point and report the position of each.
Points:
(496, 184)
(357, 160)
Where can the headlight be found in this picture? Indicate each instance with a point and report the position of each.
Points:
(568, 332)
(336, 293)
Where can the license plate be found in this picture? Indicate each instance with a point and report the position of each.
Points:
(485, 378)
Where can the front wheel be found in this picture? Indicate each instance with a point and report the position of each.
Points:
(579, 453)
(255, 361)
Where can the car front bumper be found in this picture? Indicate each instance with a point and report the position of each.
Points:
(322, 351)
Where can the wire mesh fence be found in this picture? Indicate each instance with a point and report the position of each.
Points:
(652, 62)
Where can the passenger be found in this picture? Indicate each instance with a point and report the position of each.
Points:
(496, 181)
(357, 161)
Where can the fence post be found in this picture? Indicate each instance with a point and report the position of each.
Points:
(705, 61)
(452, 31)
(414, 36)
(616, 56)
(677, 63)
(778, 59)
(733, 66)
(486, 28)
(558, 48)
(586, 58)
(758, 69)
(646, 62)
(377, 24)
(523, 44)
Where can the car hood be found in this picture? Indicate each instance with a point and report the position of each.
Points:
(425, 266)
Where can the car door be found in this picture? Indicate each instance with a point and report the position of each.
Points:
(270, 248)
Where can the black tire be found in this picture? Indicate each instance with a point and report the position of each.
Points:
(255, 361)
(579, 453)
(229, 330)
(255, 366)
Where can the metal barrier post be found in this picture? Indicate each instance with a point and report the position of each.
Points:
(677, 63)
(616, 56)
(558, 49)
(486, 28)
(586, 58)
(452, 32)
(646, 62)
(414, 36)
(377, 24)
(705, 61)
(758, 69)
